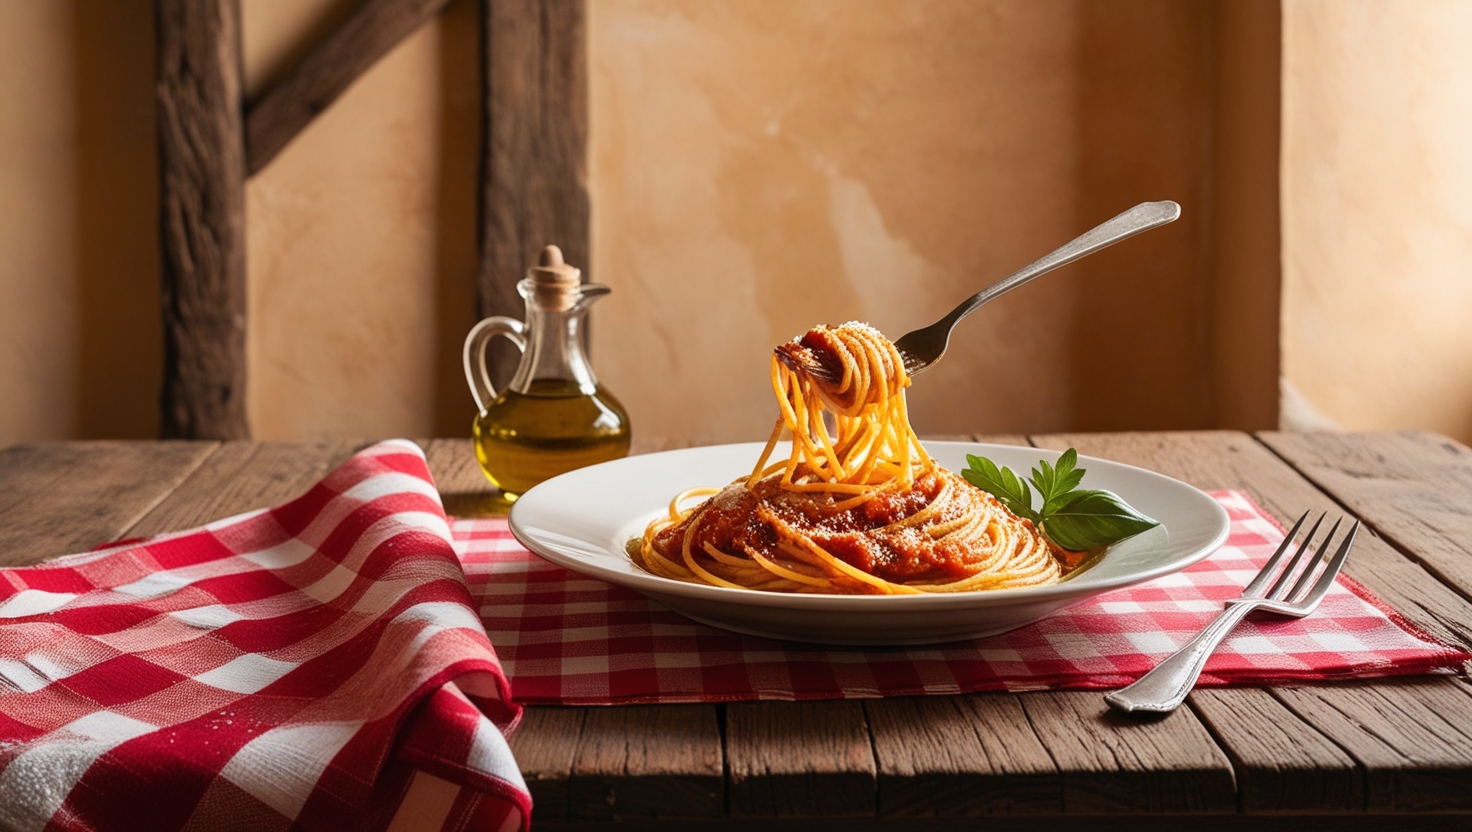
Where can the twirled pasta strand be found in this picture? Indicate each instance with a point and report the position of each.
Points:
(800, 508)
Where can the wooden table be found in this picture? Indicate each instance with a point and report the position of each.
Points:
(1342, 756)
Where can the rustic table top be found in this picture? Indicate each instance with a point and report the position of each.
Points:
(1347, 755)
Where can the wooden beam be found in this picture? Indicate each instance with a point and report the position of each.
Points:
(202, 218)
(533, 184)
(1245, 222)
(284, 110)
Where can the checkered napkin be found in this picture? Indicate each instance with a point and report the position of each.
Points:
(569, 640)
(312, 666)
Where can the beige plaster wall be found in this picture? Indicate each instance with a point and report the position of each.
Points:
(759, 167)
(79, 331)
(361, 233)
(1377, 211)
(756, 167)
(762, 167)
(361, 237)
(38, 285)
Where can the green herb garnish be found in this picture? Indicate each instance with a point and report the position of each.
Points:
(1075, 519)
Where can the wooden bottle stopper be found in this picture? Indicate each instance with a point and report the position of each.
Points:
(556, 282)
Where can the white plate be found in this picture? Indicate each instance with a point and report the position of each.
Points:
(582, 519)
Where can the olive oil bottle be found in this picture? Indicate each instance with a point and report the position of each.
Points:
(552, 428)
(554, 416)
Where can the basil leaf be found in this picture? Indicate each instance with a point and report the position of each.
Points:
(1002, 484)
(1055, 484)
(1093, 519)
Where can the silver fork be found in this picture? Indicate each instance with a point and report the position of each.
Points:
(1165, 687)
(923, 347)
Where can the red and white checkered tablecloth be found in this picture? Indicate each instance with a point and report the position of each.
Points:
(325, 664)
(565, 639)
(318, 665)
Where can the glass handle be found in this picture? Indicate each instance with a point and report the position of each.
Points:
(475, 355)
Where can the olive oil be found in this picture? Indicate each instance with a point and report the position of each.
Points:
(553, 427)
(553, 416)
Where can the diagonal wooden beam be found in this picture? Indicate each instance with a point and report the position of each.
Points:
(534, 168)
(201, 218)
(314, 83)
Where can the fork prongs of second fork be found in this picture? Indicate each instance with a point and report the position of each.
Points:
(1301, 569)
(1269, 569)
(1300, 565)
(1331, 567)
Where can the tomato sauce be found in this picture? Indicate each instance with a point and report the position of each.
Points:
(737, 518)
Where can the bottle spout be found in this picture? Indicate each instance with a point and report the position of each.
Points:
(589, 293)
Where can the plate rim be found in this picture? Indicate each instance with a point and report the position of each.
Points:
(649, 584)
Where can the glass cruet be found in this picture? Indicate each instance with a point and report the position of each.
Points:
(554, 416)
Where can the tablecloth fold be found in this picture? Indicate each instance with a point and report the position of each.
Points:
(317, 665)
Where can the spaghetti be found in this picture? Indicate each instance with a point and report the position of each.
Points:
(860, 508)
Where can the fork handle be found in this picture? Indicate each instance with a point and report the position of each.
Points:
(1164, 688)
(1141, 218)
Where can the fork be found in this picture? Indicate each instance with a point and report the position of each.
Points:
(1165, 687)
(925, 346)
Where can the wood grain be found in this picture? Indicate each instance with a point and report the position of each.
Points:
(201, 218)
(648, 761)
(243, 476)
(1215, 460)
(534, 159)
(373, 29)
(70, 497)
(1110, 762)
(960, 755)
(1414, 738)
(545, 745)
(1291, 767)
(454, 467)
(463, 486)
(799, 759)
(34, 468)
(1414, 488)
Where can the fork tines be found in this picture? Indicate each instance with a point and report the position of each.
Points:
(1302, 568)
